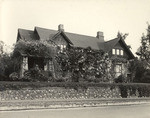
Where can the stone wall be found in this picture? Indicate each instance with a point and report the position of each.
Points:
(49, 93)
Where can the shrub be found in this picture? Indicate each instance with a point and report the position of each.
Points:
(35, 75)
(3, 78)
(14, 76)
(120, 79)
(123, 89)
(85, 63)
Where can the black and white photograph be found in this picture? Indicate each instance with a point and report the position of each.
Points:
(74, 58)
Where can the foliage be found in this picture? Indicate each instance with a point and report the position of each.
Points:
(121, 79)
(8, 64)
(123, 89)
(37, 48)
(144, 50)
(140, 67)
(143, 88)
(36, 75)
(85, 64)
(1, 48)
(138, 70)
(117, 59)
(122, 36)
(14, 76)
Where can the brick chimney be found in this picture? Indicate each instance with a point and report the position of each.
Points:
(61, 27)
(100, 36)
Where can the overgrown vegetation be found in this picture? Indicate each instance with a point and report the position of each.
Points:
(140, 68)
(37, 48)
(136, 89)
(8, 64)
(85, 64)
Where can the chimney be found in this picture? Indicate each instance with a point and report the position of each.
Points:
(61, 27)
(100, 36)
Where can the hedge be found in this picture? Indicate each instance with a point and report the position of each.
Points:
(5, 85)
(126, 89)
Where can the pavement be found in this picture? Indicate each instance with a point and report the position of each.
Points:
(69, 103)
(125, 111)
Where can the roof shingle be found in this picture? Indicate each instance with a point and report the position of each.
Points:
(77, 40)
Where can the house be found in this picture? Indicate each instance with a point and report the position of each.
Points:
(117, 49)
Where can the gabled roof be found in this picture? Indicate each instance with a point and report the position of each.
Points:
(26, 34)
(110, 44)
(127, 48)
(45, 34)
(76, 40)
(62, 33)
(85, 41)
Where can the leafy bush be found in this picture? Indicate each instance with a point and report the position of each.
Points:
(146, 77)
(123, 89)
(85, 63)
(35, 48)
(14, 76)
(36, 75)
(121, 79)
(3, 77)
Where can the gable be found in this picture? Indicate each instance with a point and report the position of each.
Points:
(77, 40)
(27, 34)
(60, 40)
(121, 45)
(85, 41)
(45, 34)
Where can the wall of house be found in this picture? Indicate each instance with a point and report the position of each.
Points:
(120, 46)
(60, 40)
(124, 58)
(125, 70)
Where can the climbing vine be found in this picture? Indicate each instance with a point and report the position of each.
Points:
(85, 64)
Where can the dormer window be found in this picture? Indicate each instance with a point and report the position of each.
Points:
(121, 52)
(113, 51)
(117, 52)
(62, 47)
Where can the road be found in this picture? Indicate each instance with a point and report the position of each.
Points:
(128, 111)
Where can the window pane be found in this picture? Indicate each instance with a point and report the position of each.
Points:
(50, 65)
(118, 68)
(117, 51)
(121, 52)
(113, 51)
(61, 47)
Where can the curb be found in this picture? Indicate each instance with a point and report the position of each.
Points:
(58, 104)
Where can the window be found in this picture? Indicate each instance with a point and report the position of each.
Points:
(117, 52)
(51, 66)
(62, 47)
(121, 52)
(118, 69)
(114, 51)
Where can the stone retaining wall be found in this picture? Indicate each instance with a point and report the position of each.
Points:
(60, 93)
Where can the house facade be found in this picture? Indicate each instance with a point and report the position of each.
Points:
(117, 49)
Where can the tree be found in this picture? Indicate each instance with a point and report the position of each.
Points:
(144, 50)
(1, 48)
(142, 65)
(122, 36)
(6, 63)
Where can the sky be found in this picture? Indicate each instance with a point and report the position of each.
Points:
(78, 16)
